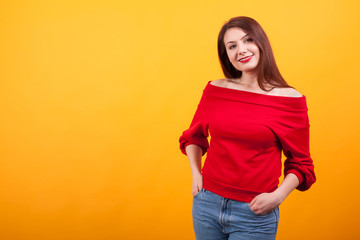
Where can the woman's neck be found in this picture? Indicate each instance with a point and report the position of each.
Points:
(247, 80)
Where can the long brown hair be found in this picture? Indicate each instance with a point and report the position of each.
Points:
(268, 72)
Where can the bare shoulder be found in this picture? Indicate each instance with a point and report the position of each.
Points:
(218, 82)
(286, 92)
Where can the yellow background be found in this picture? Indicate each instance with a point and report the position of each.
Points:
(95, 94)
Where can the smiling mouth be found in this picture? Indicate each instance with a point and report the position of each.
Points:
(245, 59)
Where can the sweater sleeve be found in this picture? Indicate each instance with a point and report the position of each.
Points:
(298, 161)
(197, 133)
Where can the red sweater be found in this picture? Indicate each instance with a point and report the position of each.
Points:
(248, 132)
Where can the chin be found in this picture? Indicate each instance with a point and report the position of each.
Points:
(247, 69)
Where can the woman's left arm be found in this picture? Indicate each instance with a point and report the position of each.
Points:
(266, 202)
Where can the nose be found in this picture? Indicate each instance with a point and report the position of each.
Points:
(242, 49)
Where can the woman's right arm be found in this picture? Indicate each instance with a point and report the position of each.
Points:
(194, 142)
(194, 154)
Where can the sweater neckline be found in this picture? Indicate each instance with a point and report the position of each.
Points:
(249, 92)
(284, 102)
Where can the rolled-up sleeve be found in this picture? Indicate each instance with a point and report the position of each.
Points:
(197, 133)
(298, 161)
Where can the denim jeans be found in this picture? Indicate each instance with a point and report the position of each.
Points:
(218, 218)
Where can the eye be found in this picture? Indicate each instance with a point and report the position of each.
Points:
(232, 46)
(249, 40)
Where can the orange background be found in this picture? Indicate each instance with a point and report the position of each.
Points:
(95, 94)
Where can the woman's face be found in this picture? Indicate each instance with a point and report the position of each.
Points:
(242, 51)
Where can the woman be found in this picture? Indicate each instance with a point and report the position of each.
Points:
(252, 116)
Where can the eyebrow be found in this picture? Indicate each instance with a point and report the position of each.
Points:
(234, 41)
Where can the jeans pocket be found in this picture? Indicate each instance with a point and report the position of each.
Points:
(248, 205)
(263, 223)
(198, 193)
(273, 211)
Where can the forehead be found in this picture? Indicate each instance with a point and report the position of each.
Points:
(234, 34)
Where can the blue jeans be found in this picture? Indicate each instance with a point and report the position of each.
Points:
(218, 218)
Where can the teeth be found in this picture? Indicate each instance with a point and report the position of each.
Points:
(245, 58)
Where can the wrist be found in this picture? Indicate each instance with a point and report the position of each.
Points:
(280, 195)
(196, 174)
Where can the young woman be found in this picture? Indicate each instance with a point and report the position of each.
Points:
(252, 116)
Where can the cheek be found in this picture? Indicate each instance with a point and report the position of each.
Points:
(256, 50)
(231, 56)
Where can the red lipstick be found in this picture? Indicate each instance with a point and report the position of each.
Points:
(245, 59)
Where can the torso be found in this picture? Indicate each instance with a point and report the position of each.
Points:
(283, 92)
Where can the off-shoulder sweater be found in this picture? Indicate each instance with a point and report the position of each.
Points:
(248, 131)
